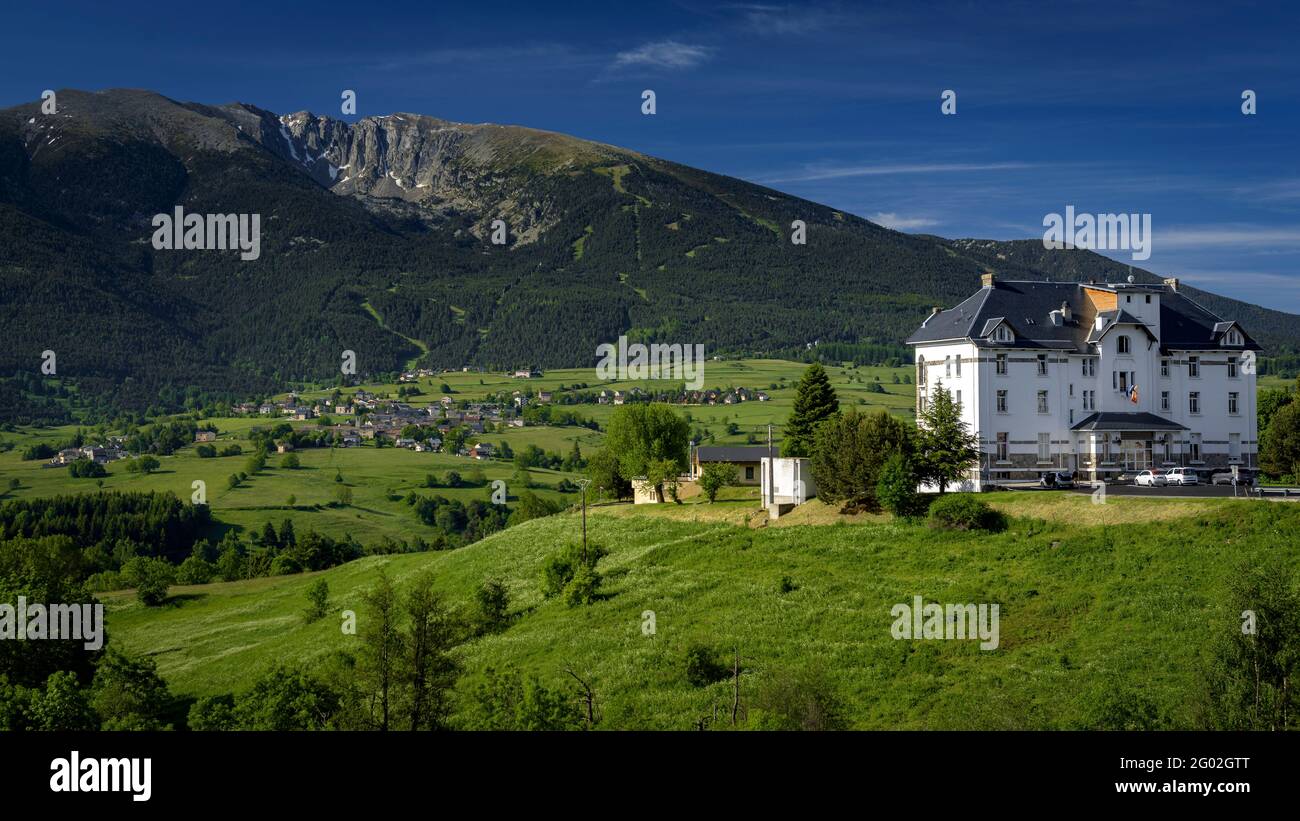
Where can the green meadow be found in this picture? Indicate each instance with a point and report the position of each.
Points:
(851, 384)
(1120, 607)
(380, 477)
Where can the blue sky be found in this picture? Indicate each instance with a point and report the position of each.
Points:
(1128, 107)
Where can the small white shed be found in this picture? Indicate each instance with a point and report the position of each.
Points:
(786, 482)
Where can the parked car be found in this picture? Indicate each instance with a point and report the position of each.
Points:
(1150, 478)
(1245, 476)
(1182, 476)
(1057, 479)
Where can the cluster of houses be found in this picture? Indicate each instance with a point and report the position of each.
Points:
(100, 454)
(728, 396)
(415, 375)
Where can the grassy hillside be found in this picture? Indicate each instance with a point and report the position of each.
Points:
(1096, 601)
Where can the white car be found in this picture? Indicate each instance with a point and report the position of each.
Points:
(1182, 476)
(1150, 478)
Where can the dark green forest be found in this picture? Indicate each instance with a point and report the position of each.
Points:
(632, 245)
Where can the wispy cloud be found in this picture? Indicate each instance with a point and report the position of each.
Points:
(891, 220)
(1227, 280)
(1218, 236)
(1271, 191)
(784, 19)
(832, 173)
(668, 54)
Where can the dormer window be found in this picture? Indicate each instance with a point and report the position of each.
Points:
(1232, 337)
(1002, 334)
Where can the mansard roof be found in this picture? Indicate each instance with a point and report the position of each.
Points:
(1026, 307)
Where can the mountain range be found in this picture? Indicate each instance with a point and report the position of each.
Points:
(377, 237)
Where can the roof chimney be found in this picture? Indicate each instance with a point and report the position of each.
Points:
(936, 309)
(1100, 322)
(987, 280)
(1065, 310)
(1172, 282)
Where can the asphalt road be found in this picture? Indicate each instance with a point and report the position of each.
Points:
(1186, 491)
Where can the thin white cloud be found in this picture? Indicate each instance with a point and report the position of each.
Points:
(668, 54)
(1218, 236)
(881, 170)
(1271, 192)
(784, 19)
(891, 220)
(1225, 281)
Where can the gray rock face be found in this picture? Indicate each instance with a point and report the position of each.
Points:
(397, 161)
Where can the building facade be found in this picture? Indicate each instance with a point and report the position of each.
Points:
(1097, 378)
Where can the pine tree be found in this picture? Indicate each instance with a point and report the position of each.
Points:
(287, 537)
(947, 447)
(814, 403)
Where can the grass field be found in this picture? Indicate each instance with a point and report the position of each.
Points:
(1089, 611)
(378, 477)
(751, 417)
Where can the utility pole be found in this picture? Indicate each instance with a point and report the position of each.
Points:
(771, 475)
(582, 483)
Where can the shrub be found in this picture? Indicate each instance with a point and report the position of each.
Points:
(583, 587)
(803, 700)
(715, 476)
(86, 469)
(206, 451)
(896, 490)
(702, 666)
(213, 713)
(105, 580)
(962, 511)
(128, 693)
(290, 461)
(150, 577)
(195, 570)
(559, 568)
(318, 597)
(144, 464)
(509, 700)
(284, 565)
(493, 600)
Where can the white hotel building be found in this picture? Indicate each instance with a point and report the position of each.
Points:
(1092, 377)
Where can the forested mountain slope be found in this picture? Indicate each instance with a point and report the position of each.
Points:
(376, 238)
